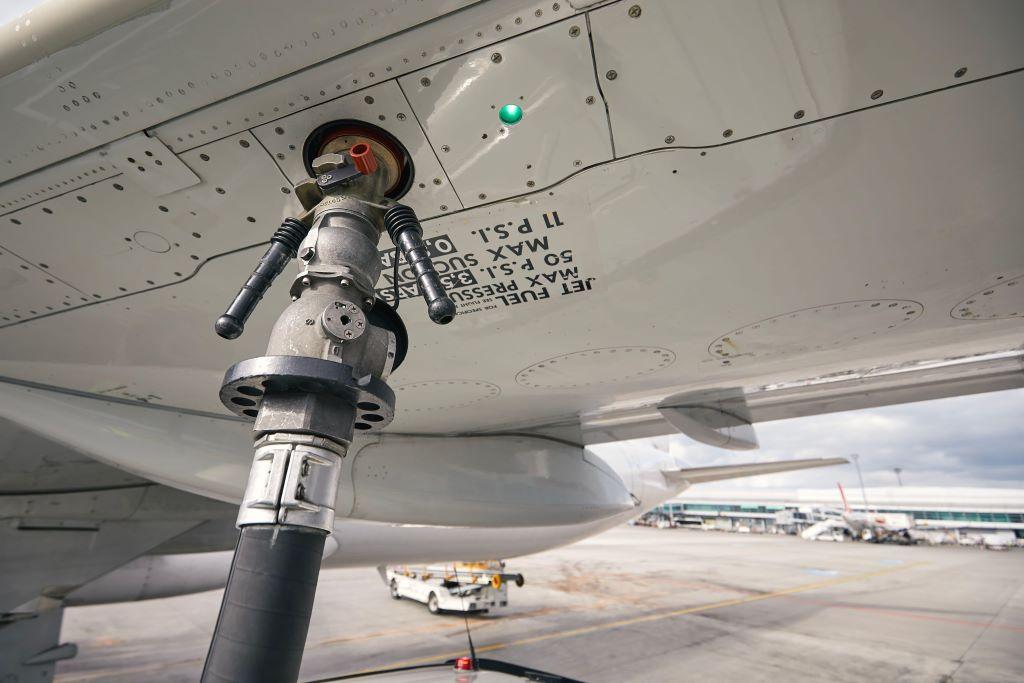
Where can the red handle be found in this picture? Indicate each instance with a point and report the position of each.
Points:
(363, 158)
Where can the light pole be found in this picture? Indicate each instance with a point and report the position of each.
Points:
(863, 492)
(898, 470)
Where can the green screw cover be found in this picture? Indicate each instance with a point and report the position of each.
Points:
(511, 114)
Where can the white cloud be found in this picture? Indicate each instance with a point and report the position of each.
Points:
(964, 441)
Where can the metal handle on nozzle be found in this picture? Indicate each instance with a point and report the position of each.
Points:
(407, 234)
(283, 248)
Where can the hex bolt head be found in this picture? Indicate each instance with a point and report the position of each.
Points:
(307, 253)
(635, 11)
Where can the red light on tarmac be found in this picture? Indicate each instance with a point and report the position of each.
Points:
(465, 664)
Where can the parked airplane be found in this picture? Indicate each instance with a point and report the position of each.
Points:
(873, 525)
(866, 524)
(628, 219)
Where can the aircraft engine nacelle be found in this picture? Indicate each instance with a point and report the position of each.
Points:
(156, 576)
(484, 481)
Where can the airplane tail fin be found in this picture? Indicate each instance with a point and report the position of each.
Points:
(700, 475)
(842, 494)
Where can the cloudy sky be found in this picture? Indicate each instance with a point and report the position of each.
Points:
(12, 9)
(965, 441)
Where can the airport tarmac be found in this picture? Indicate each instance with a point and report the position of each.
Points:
(639, 604)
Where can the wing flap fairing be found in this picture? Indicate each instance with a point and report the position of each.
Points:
(701, 475)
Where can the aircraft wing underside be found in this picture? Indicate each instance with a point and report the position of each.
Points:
(758, 211)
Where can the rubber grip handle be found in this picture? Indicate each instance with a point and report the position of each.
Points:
(284, 244)
(440, 306)
(406, 232)
(232, 323)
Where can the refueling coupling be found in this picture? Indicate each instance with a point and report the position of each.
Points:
(323, 378)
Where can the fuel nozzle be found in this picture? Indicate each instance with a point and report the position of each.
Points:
(407, 234)
(337, 171)
(335, 174)
(322, 381)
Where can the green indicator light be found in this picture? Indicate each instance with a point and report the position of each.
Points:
(511, 114)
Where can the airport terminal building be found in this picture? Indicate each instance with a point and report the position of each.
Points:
(943, 514)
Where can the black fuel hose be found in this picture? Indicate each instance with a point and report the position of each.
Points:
(265, 612)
